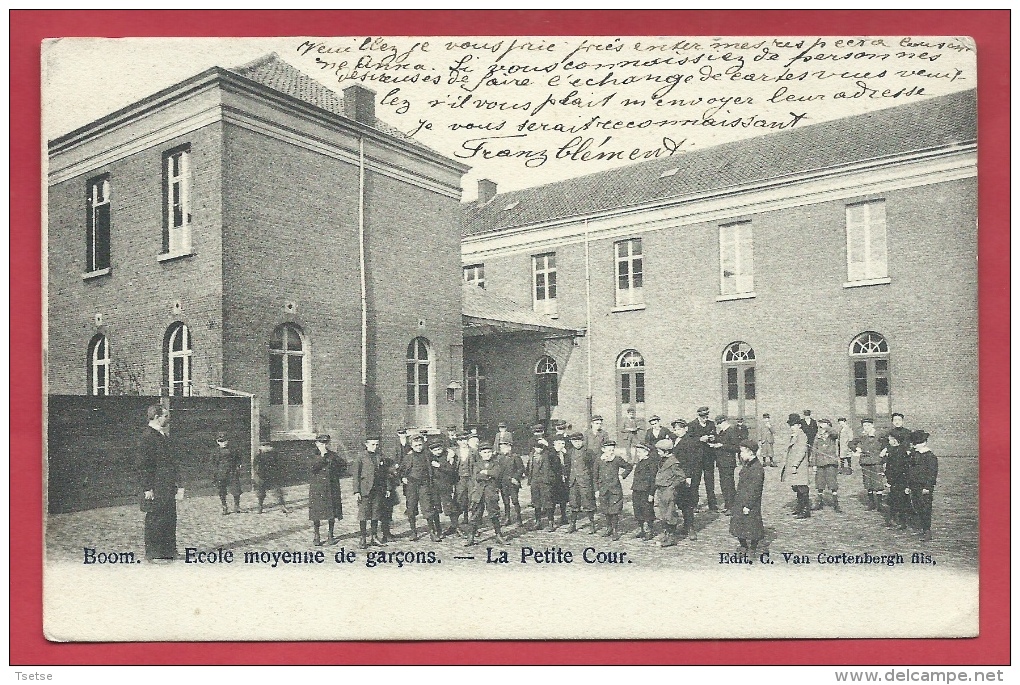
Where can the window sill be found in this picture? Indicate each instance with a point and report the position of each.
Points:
(280, 436)
(95, 274)
(870, 281)
(628, 308)
(737, 296)
(171, 256)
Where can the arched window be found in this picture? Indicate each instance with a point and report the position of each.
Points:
(419, 384)
(99, 366)
(547, 388)
(178, 360)
(869, 377)
(288, 379)
(474, 403)
(630, 384)
(739, 391)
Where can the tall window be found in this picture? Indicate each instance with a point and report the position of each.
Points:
(475, 400)
(178, 360)
(739, 391)
(419, 386)
(475, 274)
(630, 384)
(869, 377)
(97, 224)
(736, 259)
(547, 388)
(99, 366)
(629, 272)
(288, 378)
(866, 253)
(176, 201)
(543, 268)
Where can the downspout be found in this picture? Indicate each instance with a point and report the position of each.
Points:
(587, 313)
(364, 279)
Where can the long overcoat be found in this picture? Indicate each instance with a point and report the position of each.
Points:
(750, 484)
(324, 500)
(607, 481)
(796, 469)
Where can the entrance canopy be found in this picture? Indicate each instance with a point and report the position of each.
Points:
(485, 313)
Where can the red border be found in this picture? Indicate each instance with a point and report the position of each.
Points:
(990, 28)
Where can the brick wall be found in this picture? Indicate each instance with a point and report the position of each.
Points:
(800, 324)
(137, 299)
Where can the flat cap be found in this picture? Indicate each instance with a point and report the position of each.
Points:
(463, 435)
(868, 419)
(502, 424)
(451, 429)
(401, 431)
(793, 419)
(577, 436)
(720, 418)
(417, 437)
(436, 444)
(505, 442)
(703, 410)
(221, 436)
(679, 422)
(654, 417)
(806, 412)
(538, 428)
(749, 444)
(664, 444)
(322, 437)
(609, 443)
(641, 446)
(597, 417)
(766, 416)
(918, 436)
(559, 423)
(485, 448)
(372, 437)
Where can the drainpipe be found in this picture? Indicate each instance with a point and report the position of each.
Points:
(587, 312)
(364, 284)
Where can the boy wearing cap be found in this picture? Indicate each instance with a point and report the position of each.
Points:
(897, 462)
(642, 490)
(324, 499)
(628, 433)
(265, 477)
(439, 475)
(228, 463)
(445, 484)
(797, 466)
(767, 441)
(485, 495)
(810, 428)
(703, 430)
(416, 476)
(580, 482)
(668, 477)
(746, 524)
(609, 488)
(594, 438)
(687, 451)
(922, 474)
(543, 476)
(872, 461)
(656, 431)
(558, 458)
(512, 467)
(502, 435)
(846, 434)
(729, 437)
(465, 458)
(369, 480)
(825, 458)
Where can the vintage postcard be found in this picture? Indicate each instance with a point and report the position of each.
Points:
(517, 337)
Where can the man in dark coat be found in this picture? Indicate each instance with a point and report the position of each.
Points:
(726, 458)
(897, 461)
(609, 488)
(922, 474)
(580, 478)
(502, 435)
(703, 430)
(370, 489)
(642, 490)
(160, 482)
(324, 499)
(485, 494)
(266, 476)
(443, 476)
(746, 524)
(594, 438)
(227, 465)
(510, 486)
(810, 429)
(542, 477)
(687, 451)
(416, 475)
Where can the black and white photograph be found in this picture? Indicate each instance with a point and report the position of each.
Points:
(510, 337)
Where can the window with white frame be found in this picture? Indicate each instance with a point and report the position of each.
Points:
(543, 269)
(97, 224)
(475, 274)
(177, 201)
(866, 250)
(736, 259)
(99, 366)
(178, 360)
(629, 272)
(288, 379)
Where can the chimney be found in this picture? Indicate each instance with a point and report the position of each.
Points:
(486, 190)
(359, 104)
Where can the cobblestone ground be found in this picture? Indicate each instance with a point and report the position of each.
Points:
(855, 530)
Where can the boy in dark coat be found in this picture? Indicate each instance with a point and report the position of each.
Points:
(687, 451)
(324, 500)
(922, 473)
(390, 499)
(897, 461)
(608, 486)
(668, 477)
(485, 495)
(746, 524)
(370, 489)
(266, 477)
(416, 477)
(510, 485)
(227, 462)
(825, 459)
(543, 476)
(642, 490)
(580, 477)
(872, 462)
(441, 476)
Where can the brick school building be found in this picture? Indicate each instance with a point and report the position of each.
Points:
(831, 267)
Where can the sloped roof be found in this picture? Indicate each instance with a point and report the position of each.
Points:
(275, 73)
(486, 312)
(938, 122)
